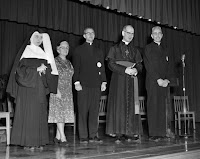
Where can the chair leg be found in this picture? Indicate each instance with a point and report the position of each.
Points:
(8, 129)
(179, 132)
(176, 124)
(194, 127)
(179, 122)
(74, 124)
(189, 123)
(74, 127)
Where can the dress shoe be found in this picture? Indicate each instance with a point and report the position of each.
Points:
(155, 138)
(39, 147)
(118, 139)
(95, 140)
(112, 135)
(127, 138)
(83, 141)
(56, 141)
(30, 148)
(64, 143)
(135, 139)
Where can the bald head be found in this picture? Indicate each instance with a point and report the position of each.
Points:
(127, 27)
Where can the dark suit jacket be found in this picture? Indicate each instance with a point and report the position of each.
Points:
(85, 59)
(156, 62)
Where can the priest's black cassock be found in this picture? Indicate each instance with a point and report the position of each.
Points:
(156, 64)
(121, 117)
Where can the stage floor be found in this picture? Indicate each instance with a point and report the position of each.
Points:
(179, 147)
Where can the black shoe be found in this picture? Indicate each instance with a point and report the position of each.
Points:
(83, 141)
(127, 138)
(39, 147)
(118, 139)
(56, 141)
(95, 139)
(135, 138)
(165, 138)
(64, 143)
(155, 138)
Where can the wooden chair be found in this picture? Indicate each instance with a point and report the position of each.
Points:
(181, 114)
(73, 124)
(7, 113)
(102, 109)
(142, 108)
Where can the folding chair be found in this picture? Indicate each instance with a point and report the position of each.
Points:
(73, 124)
(7, 114)
(181, 114)
(102, 109)
(143, 112)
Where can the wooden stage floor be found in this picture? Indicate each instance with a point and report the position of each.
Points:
(178, 148)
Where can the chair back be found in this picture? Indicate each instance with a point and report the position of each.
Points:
(102, 105)
(179, 102)
(102, 109)
(8, 106)
(142, 107)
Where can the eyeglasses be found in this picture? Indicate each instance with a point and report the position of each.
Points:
(90, 33)
(129, 33)
(157, 33)
(64, 47)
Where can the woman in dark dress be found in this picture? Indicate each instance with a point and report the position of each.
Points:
(30, 81)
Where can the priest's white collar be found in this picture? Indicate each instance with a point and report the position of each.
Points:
(89, 43)
(126, 43)
(157, 42)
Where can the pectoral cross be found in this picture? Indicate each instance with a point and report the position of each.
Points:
(127, 52)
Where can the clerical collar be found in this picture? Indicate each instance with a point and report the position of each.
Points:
(90, 43)
(157, 43)
(126, 43)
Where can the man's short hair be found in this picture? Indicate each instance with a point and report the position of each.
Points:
(156, 27)
(87, 29)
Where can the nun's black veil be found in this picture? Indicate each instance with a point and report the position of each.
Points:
(12, 86)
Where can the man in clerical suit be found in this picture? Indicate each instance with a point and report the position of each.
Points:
(90, 80)
(123, 118)
(157, 80)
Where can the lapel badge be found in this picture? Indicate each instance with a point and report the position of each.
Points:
(99, 64)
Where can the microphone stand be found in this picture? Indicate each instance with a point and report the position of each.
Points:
(184, 100)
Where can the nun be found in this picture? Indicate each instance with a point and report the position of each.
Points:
(33, 76)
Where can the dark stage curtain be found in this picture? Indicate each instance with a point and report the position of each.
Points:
(184, 14)
(13, 34)
(66, 19)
